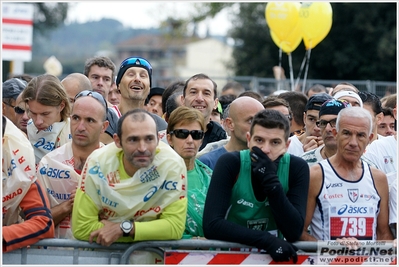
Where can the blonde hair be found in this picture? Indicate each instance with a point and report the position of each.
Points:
(47, 90)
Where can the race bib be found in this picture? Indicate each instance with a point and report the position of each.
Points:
(352, 220)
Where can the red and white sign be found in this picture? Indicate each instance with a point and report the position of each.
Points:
(200, 257)
(17, 31)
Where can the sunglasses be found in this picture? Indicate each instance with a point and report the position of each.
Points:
(8, 104)
(93, 94)
(183, 134)
(19, 110)
(323, 123)
(137, 61)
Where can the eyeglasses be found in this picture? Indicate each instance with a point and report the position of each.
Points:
(19, 110)
(183, 134)
(137, 61)
(93, 94)
(8, 104)
(323, 123)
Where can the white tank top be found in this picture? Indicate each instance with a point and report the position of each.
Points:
(345, 208)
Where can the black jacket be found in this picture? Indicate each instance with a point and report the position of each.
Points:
(215, 132)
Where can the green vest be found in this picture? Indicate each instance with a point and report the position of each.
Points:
(245, 209)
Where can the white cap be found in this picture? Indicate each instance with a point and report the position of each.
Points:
(341, 94)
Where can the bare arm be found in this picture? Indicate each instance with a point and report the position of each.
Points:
(62, 210)
(314, 189)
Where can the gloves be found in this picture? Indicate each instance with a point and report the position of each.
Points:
(264, 170)
(281, 250)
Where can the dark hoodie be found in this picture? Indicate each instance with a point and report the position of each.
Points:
(214, 132)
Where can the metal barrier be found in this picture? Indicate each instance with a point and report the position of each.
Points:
(82, 252)
(266, 86)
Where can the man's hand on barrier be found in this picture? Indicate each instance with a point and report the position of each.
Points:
(349, 242)
(107, 235)
(281, 250)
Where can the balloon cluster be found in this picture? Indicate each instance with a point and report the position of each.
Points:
(290, 22)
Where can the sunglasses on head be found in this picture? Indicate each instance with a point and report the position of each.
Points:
(19, 110)
(137, 61)
(93, 94)
(183, 134)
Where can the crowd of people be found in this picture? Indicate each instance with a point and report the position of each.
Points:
(105, 156)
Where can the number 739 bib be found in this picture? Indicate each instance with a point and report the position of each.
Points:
(351, 220)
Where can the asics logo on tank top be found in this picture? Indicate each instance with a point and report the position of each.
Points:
(334, 185)
(245, 203)
(352, 210)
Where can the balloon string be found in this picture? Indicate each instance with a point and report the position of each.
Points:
(300, 70)
(306, 71)
(291, 72)
(280, 56)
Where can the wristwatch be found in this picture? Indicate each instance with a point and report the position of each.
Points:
(126, 227)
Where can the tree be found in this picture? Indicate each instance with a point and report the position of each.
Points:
(49, 16)
(254, 54)
(361, 44)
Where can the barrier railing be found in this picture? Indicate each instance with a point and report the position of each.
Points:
(65, 251)
(193, 251)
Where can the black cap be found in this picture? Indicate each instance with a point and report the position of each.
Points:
(315, 101)
(154, 91)
(13, 87)
(333, 107)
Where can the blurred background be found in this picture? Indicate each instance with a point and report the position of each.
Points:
(227, 41)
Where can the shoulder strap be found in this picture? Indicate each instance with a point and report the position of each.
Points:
(284, 171)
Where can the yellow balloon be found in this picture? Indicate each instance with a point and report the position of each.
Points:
(291, 42)
(315, 19)
(282, 18)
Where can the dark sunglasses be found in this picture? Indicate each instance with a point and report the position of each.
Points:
(137, 61)
(93, 94)
(323, 123)
(19, 110)
(183, 134)
(8, 104)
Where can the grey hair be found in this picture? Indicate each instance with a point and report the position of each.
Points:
(355, 112)
(226, 112)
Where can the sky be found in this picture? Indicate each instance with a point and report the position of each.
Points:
(144, 14)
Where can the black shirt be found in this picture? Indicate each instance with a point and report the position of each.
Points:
(288, 210)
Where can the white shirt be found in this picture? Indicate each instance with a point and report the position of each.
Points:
(296, 147)
(384, 154)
